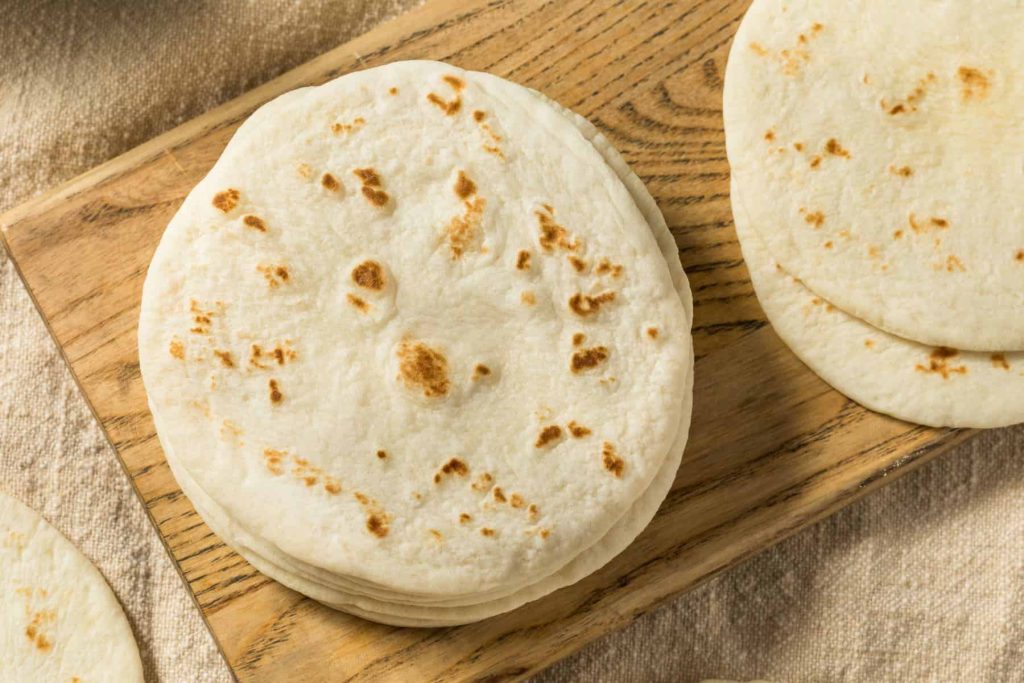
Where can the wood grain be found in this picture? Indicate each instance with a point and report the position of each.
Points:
(773, 449)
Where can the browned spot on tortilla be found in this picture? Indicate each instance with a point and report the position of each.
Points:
(462, 231)
(577, 430)
(769, 135)
(578, 264)
(815, 218)
(369, 275)
(330, 183)
(203, 319)
(552, 235)
(305, 171)
(479, 115)
(611, 460)
(528, 298)
(815, 161)
(177, 349)
(898, 109)
(495, 150)
(464, 187)
(759, 49)
(1019, 256)
(382, 455)
(902, 171)
(533, 512)
(483, 482)
(870, 343)
(339, 128)
(275, 392)
(392, 91)
(588, 359)
(226, 200)
(833, 147)
(999, 361)
(35, 633)
(898, 234)
(516, 501)
(584, 305)
(798, 146)
(453, 466)
(652, 332)
(372, 189)
(226, 359)
(548, 435)
(606, 267)
(332, 487)
(498, 494)
(377, 521)
(272, 459)
(424, 368)
(358, 303)
(274, 275)
(523, 260)
(465, 517)
(254, 222)
(828, 245)
(544, 533)
(954, 264)
(481, 370)
(939, 363)
(486, 531)
(454, 81)
(578, 338)
(974, 84)
(874, 251)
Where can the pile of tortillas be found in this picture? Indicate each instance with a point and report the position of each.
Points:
(419, 345)
(877, 158)
(59, 620)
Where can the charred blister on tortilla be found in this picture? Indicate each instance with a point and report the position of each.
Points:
(585, 305)
(261, 358)
(552, 235)
(454, 105)
(791, 59)
(585, 360)
(611, 461)
(377, 520)
(225, 201)
(343, 128)
(940, 363)
(370, 275)
(301, 470)
(464, 231)
(454, 467)
(275, 274)
(422, 368)
(492, 144)
(372, 187)
(548, 435)
(330, 182)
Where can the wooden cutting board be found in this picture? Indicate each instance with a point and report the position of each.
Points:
(772, 450)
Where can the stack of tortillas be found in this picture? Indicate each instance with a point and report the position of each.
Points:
(59, 620)
(877, 154)
(419, 345)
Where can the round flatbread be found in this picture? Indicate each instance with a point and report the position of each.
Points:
(392, 331)
(939, 387)
(59, 620)
(882, 166)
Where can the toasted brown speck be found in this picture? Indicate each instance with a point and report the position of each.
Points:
(330, 183)
(483, 482)
(516, 501)
(815, 161)
(974, 84)
(769, 135)
(369, 275)
(587, 359)
(577, 263)
(578, 338)
(548, 435)
(869, 343)
(498, 494)
(358, 303)
(274, 275)
(828, 245)
(422, 367)
(652, 332)
(798, 146)
(332, 487)
(544, 533)
(553, 235)
(226, 200)
(902, 171)
(272, 459)
(939, 363)
(275, 392)
(486, 531)
(339, 128)
(464, 187)
(377, 525)
(254, 222)
(954, 264)
(454, 81)
(465, 517)
(453, 466)
(382, 455)
(528, 298)
(611, 460)
(759, 49)
(226, 359)
(177, 349)
(584, 305)
(523, 260)
(577, 430)
(372, 189)
(479, 115)
(481, 370)
(835, 149)
(815, 218)
(999, 361)
(463, 230)
(392, 91)
(606, 267)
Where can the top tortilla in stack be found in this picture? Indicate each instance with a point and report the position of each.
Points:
(414, 332)
(877, 147)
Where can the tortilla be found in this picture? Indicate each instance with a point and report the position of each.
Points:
(59, 620)
(877, 147)
(414, 369)
(939, 387)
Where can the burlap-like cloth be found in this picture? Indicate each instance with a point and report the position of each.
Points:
(922, 581)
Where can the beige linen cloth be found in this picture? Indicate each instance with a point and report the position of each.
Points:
(921, 581)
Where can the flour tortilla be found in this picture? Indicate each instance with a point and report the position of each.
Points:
(913, 221)
(59, 620)
(439, 612)
(345, 364)
(883, 372)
